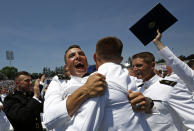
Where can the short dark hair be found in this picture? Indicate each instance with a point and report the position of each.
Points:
(22, 73)
(190, 63)
(70, 47)
(109, 48)
(146, 56)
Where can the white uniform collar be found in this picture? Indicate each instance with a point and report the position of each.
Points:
(76, 78)
(151, 81)
(108, 65)
(79, 79)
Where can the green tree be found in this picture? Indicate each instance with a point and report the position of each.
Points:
(47, 71)
(9, 71)
(160, 61)
(35, 75)
(190, 57)
(50, 73)
(182, 57)
(3, 76)
(59, 70)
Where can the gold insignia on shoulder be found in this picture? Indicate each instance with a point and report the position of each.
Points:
(167, 82)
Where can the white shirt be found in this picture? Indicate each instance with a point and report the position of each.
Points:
(173, 106)
(183, 71)
(3, 96)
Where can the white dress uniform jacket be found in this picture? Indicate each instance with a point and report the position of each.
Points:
(181, 69)
(109, 112)
(173, 105)
(118, 113)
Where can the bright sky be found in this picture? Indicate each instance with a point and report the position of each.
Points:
(39, 31)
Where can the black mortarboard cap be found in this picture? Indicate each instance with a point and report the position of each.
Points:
(157, 18)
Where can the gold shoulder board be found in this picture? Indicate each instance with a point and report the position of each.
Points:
(167, 82)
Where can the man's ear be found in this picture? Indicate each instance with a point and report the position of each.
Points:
(65, 67)
(121, 59)
(118, 60)
(94, 57)
(16, 82)
(153, 65)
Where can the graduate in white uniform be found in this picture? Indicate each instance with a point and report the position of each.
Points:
(182, 70)
(118, 114)
(59, 110)
(173, 104)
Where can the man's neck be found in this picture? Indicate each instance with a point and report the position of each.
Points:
(149, 77)
(103, 62)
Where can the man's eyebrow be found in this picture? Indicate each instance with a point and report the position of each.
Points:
(72, 53)
(27, 80)
(81, 52)
(137, 65)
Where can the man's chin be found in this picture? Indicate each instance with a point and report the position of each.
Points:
(80, 73)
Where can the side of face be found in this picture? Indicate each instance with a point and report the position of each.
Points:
(3, 91)
(24, 83)
(192, 67)
(76, 62)
(169, 69)
(131, 72)
(66, 71)
(142, 70)
(97, 61)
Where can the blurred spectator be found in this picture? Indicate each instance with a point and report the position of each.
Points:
(42, 80)
(131, 73)
(3, 93)
(158, 72)
(46, 84)
(168, 70)
(8, 85)
(191, 64)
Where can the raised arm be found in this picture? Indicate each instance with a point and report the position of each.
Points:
(179, 67)
(157, 41)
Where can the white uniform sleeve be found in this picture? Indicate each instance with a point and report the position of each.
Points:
(181, 100)
(89, 115)
(179, 67)
(55, 110)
